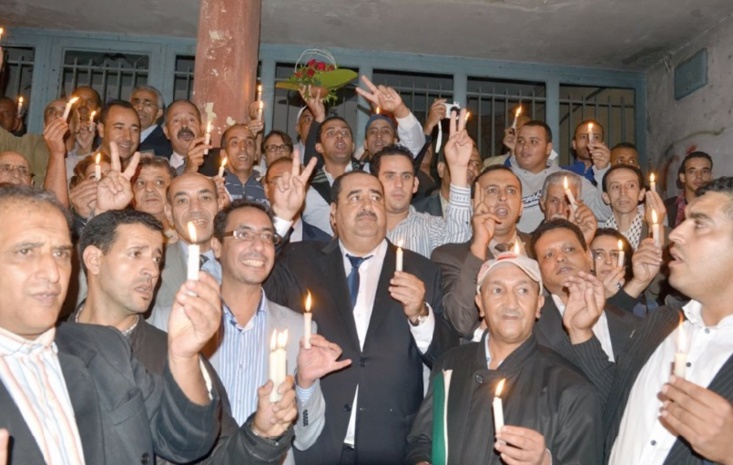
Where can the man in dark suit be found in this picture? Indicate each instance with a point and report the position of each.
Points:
(561, 251)
(387, 322)
(99, 405)
(149, 105)
(651, 417)
(497, 207)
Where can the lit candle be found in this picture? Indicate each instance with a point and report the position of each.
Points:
(652, 183)
(67, 110)
(221, 168)
(498, 407)
(97, 168)
(193, 254)
(259, 92)
(655, 227)
(20, 106)
(307, 319)
(259, 111)
(400, 253)
(278, 363)
(517, 249)
(468, 115)
(379, 110)
(2, 31)
(207, 137)
(516, 115)
(680, 357)
(621, 253)
(569, 193)
(590, 133)
(91, 116)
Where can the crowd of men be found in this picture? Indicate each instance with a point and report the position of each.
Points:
(432, 275)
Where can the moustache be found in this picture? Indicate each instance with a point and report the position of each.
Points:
(185, 132)
(366, 213)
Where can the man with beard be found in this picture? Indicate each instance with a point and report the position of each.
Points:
(497, 206)
(191, 199)
(696, 170)
(238, 145)
(121, 254)
(183, 129)
(149, 187)
(149, 105)
(556, 204)
(562, 253)
(652, 416)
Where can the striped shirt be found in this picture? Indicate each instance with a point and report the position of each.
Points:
(250, 189)
(241, 360)
(31, 372)
(422, 232)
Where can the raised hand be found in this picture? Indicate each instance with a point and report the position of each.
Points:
(409, 290)
(585, 219)
(435, 115)
(600, 154)
(484, 223)
(290, 189)
(53, 135)
(314, 103)
(584, 307)
(318, 361)
(458, 149)
(197, 151)
(646, 263)
(195, 316)
(273, 420)
(114, 191)
(385, 97)
(83, 197)
(613, 282)
(522, 446)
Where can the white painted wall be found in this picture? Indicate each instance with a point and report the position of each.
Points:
(702, 120)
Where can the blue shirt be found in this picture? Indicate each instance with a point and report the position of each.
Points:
(250, 190)
(579, 168)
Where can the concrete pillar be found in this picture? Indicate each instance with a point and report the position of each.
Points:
(225, 73)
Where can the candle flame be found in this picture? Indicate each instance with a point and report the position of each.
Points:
(468, 115)
(308, 302)
(191, 232)
(224, 162)
(91, 117)
(273, 341)
(565, 182)
(99, 155)
(282, 339)
(516, 249)
(518, 112)
(72, 100)
(259, 87)
(620, 245)
(590, 128)
(655, 220)
(2, 31)
(500, 387)
(651, 178)
(681, 336)
(20, 100)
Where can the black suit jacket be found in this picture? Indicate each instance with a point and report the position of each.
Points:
(389, 369)
(157, 143)
(429, 204)
(124, 415)
(313, 233)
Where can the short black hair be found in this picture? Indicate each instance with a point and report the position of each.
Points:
(535, 123)
(221, 218)
(337, 184)
(332, 118)
(625, 145)
(287, 140)
(225, 135)
(690, 156)
(585, 123)
(613, 168)
(491, 169)
(553, 224)
(626, 246)
(102, 230)
(115, 103)
(33, 195)
(154, 161)
(723, 185)
(182, 100)
(96, 94)
(394, 150)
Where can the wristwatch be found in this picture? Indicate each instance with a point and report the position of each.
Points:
(422, 317)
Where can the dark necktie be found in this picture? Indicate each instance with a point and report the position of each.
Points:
(353, 278)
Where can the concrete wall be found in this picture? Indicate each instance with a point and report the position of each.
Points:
(702, 120)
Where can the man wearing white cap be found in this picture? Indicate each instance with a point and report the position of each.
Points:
(550, 414)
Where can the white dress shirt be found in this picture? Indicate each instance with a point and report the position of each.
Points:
(641, 437)
(369, 272)
(600, 329)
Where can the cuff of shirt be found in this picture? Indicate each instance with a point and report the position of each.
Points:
(281, 226)
(207, 378)
(423, 333)
(304, 394)
(460, 196)
(408, 122)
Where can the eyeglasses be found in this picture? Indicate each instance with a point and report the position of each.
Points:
(602, 255)
(247, 235)
(22, 171)
(277, 148)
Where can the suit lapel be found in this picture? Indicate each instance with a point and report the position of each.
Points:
(383, 301)
(23, 444)
(332, 265)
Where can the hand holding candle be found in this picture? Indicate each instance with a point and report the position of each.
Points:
(655, 228)
(307, 319)
(278, 362)
(193, 254)
(680, 357)
(569, 193)
(97, 168)
(223, 165)
(621, 253)
(498, 407)
(67, 110)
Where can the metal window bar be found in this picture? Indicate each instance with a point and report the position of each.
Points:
(112, 75)
(183, 77)
(18, 74)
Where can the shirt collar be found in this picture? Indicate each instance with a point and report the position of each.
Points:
(232, 320)
(379, 251)
(693, 313)
(11, 343)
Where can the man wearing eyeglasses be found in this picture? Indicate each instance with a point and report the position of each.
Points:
(238, 145)
(149, 105)
(276, 144)
(245, 240)
(15, 169)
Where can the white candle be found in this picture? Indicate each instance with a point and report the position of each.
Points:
(2, 31)
(20, 106)
(569, 193)
(307, 318)
(193, 254)
(400, 256)
(259, 93)
(498, 408)
(621, 253)
(680, 357)
(655, 228)
(652, 183)
(207, 137)
(516, 115)
(259, 111)
(67, 110)
(590, 133)
(221, 168)
(278, 363)
(517, 249)
(91, 117)
(97, 168)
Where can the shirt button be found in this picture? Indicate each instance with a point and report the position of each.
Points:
(145, 458)
(654, 443)
(347, 407)
(707, 330)
(362, 362)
